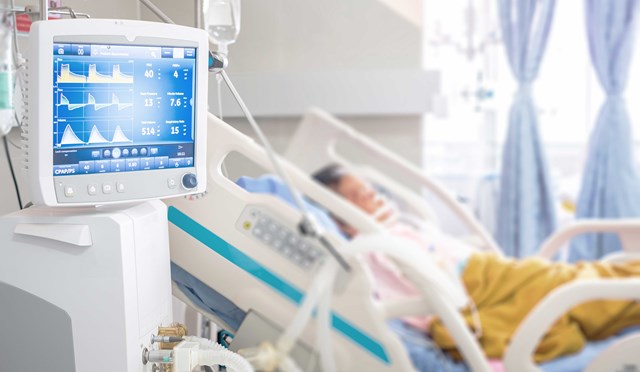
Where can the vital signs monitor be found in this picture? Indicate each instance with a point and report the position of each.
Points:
(117, 111)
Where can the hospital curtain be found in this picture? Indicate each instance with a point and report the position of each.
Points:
(525, 212)
(610, 185)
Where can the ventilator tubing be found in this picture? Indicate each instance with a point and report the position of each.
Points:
(323, 329)
(321, 287)
(216, 354)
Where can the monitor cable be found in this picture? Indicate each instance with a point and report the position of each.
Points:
(13, 174)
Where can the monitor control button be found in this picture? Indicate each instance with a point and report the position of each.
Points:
(189, 181)
(92, 189)
(120, 187)
(69, 191)
(107, 188)
(172, 183)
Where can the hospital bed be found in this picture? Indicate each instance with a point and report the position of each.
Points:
(215, 243)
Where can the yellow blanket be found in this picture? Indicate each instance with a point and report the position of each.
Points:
(505, 290)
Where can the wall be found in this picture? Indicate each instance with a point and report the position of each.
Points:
(117, 9)
(307, 35)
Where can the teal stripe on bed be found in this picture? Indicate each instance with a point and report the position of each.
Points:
(280, 285)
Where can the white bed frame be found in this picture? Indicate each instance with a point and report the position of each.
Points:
(315, 144)
(218, 212)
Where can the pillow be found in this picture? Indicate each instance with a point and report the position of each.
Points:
(269, 184)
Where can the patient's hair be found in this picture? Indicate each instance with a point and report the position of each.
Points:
(330, 175)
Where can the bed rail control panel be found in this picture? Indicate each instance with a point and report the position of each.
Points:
(261, 226)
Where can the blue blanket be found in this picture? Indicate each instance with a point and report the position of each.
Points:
(426, 356)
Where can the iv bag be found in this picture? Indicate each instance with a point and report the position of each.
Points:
(222, 21)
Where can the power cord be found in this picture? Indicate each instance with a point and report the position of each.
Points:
(13, 174)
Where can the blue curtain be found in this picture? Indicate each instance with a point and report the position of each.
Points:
(610, 185)
(526, 213)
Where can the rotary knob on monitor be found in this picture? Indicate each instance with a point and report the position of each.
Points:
(189, 181)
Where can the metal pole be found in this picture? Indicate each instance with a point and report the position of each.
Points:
(155, 10)
(199, 17)
(44, 10)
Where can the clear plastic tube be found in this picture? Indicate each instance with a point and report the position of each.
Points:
(204, 343)
(386, 214)
(213, 353)
(220, 116)
(232, 361)
(320, 284)
(219, 88)
(323, 329)
(288, 365)
(419, 268)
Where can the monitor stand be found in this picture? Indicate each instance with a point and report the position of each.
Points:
(83, 289)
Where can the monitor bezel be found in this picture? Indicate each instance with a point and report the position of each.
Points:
(45, 187)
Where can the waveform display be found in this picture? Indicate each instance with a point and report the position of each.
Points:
(119, 136)
(115, 101)
(95, 137)
(69, 137)
(105, 101)
(93, 76)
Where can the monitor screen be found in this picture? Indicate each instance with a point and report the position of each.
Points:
(122, 108)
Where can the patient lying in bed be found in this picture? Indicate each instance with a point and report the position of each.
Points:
(504, 290)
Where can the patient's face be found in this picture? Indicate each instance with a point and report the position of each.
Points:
(365, 197)
(359, 193)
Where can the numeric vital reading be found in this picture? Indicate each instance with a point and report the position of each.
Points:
(122, 108)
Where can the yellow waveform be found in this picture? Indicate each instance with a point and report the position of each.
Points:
(66, 76)
(117, 77)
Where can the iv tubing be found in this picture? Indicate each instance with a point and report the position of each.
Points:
(276, 164)
(270, 152)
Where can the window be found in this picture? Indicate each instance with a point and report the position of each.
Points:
(464, 141)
